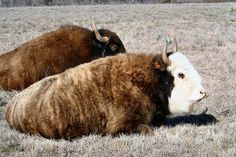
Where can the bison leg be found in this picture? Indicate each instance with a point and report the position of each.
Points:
(145, 129)
(139, 129)
(128, 127)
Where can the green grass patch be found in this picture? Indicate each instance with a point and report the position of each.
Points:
(232, 10)
(11, 148)
(1, 109)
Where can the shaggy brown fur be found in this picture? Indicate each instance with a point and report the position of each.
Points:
(53, 53)
(119, 94)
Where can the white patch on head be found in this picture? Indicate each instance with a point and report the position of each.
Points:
(187, 85)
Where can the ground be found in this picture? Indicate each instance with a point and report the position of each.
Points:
(206, 34)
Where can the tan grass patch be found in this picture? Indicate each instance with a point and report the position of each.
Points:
(206, 34)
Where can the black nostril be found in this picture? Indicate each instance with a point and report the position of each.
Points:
(201, 92)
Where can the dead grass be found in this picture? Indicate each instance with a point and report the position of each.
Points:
(206, 34)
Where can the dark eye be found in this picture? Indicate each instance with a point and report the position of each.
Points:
(113, 47)
(181, 75)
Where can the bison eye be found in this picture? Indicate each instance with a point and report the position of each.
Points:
(181, 75)
(113, 47)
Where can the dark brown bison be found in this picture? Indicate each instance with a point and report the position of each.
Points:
(53, 53)
(126, 93)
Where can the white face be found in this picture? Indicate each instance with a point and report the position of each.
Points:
(187, 85)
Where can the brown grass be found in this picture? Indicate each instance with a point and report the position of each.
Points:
(206, 34)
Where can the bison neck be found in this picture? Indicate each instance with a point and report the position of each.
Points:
(157, 92)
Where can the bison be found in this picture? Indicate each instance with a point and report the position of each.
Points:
(54, 52)
(126, 93)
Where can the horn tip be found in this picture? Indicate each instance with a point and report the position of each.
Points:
(93, 24)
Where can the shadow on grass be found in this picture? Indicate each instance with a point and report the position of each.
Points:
(202, 119)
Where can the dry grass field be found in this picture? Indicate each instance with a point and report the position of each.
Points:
(206, 34)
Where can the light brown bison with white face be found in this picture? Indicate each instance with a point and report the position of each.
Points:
(53, 53)
(120, 94)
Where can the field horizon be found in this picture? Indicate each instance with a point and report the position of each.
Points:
(206, 34)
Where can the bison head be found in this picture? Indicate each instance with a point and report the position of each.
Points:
(182, 82)
(106, 43)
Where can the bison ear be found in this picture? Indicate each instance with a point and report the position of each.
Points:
(158, 63)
